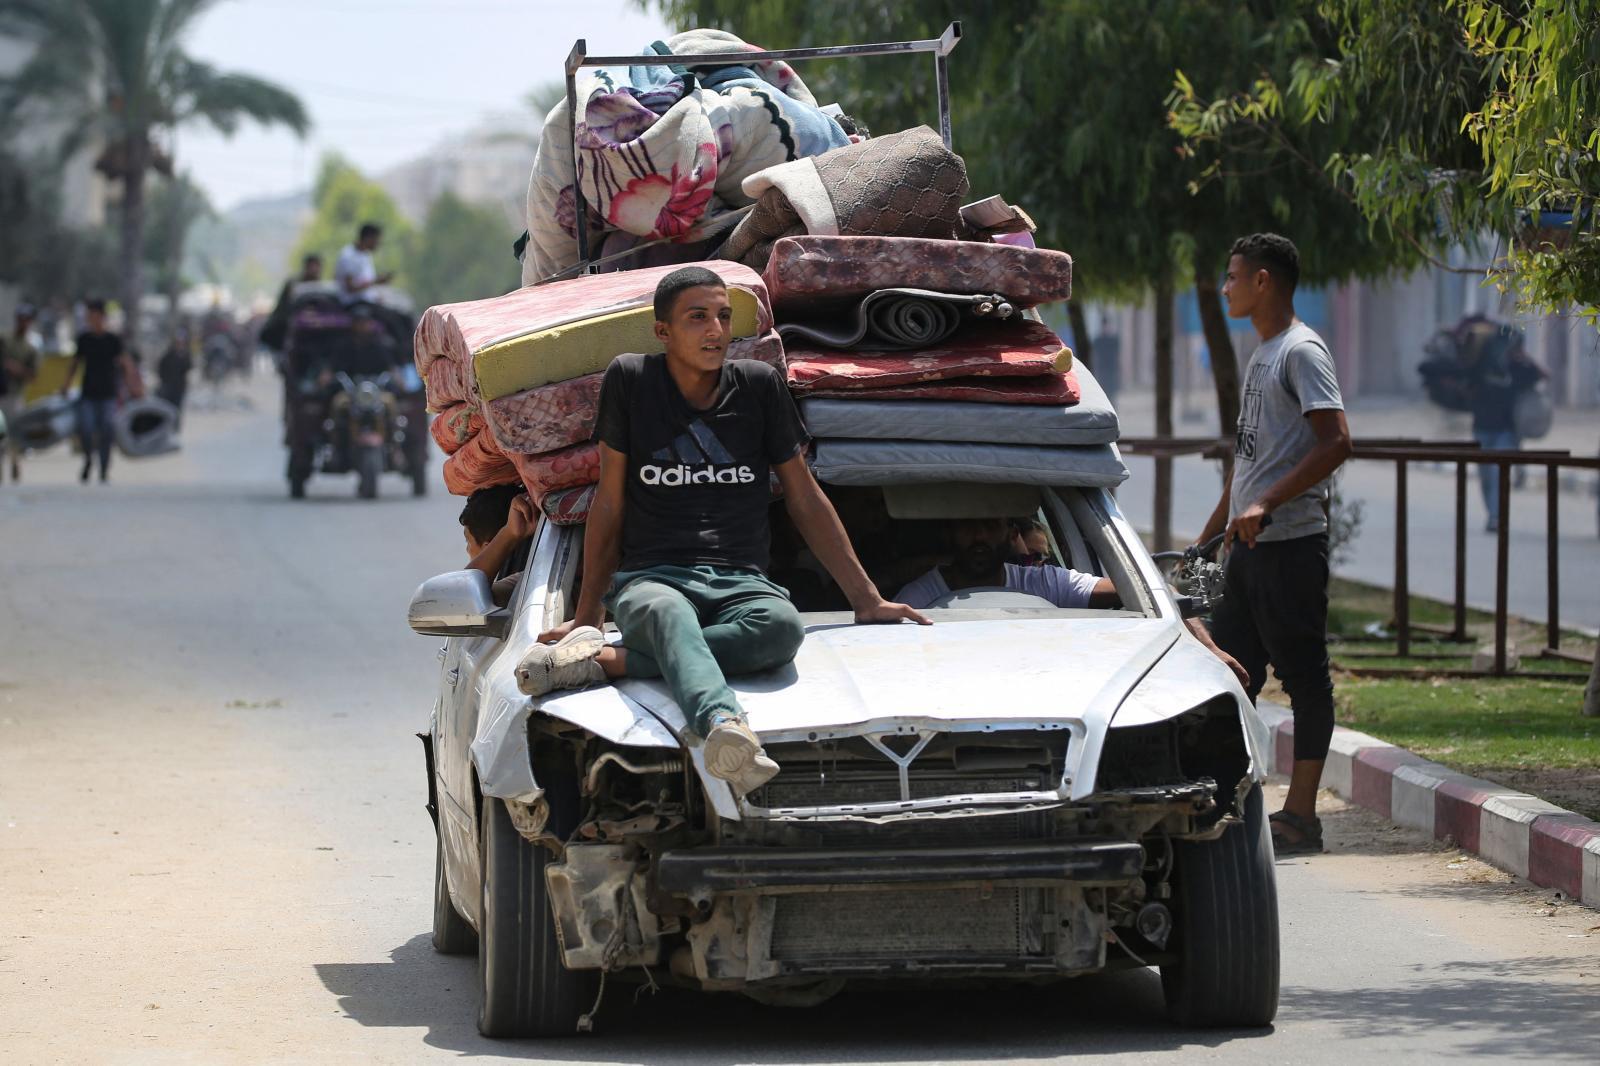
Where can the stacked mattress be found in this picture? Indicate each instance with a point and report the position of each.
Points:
(994, 398)
(514, 381)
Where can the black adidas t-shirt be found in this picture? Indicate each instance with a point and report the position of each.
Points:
(697, 480)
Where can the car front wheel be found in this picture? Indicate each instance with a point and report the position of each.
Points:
(1226, 931)
(526, 989)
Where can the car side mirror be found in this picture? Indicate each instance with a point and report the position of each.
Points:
(457, 604)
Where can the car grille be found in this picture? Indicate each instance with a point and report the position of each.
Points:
(793, 789)
(808, 788)
(903, 925)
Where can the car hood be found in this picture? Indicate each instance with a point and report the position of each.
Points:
(1008, 671)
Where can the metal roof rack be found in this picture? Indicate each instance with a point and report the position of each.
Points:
(579, 58)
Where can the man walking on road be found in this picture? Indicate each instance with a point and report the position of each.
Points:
(1292, 436)
(106, 365)
(677, 539)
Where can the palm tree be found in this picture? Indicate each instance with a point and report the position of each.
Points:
(114, 72)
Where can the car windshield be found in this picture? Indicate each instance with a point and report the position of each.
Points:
(941, 547)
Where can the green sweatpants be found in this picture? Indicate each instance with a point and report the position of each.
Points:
(694, 625)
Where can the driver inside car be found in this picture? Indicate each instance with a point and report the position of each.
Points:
(980, 548)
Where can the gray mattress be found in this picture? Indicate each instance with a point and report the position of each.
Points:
(1092, 420)
(892, 462)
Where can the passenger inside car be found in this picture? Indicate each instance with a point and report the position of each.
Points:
(496, 524)
(979, 548)
(1030, 544)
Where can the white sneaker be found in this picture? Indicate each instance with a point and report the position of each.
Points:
(734, 753)
(568, 663)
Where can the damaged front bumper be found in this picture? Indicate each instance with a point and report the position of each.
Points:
(700, 873)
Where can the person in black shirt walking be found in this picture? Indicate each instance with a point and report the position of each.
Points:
(677, 537)
(105, 364)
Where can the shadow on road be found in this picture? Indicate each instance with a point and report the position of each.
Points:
(1112, 1013)
(1506, 1009)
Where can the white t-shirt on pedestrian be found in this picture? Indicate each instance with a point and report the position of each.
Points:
(1287, 378)
(354, 265)
(1062, 587)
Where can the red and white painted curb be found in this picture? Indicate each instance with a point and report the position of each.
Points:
(1524, 835)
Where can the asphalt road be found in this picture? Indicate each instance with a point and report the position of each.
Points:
(213, 846)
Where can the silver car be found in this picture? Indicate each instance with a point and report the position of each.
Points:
(1019, 791)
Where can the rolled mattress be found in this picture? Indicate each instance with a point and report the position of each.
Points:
(904, 462)
(1089, 421)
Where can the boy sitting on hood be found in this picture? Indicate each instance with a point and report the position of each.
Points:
(677, 537)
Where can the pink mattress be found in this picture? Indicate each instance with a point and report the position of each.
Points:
(446, 384)
(543, 474)
(812, 269)
(1054, 390)
(454, 426)
(563, 413)
(477, 464)
(455, 331)
(1021, 349)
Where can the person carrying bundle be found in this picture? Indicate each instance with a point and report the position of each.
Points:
(677, 537)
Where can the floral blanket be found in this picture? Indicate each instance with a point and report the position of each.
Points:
(662, 151)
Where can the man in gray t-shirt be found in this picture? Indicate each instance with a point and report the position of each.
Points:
(1291, 437)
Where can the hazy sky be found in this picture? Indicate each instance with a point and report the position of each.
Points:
(385, 79)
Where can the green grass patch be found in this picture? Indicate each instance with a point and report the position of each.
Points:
(1353, 605)
(1478, 725)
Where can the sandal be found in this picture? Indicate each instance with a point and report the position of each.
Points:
(1310, 830)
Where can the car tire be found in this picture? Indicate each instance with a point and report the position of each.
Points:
(451, 933)
(527, 991)
(1225, 933)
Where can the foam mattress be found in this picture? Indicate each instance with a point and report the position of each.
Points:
(818, 269)
(1089, 421)
(566, 329)
(1054, 390)
(562, 413)
(904, 462)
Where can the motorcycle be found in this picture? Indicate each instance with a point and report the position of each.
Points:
(362, 423)
(353, 400)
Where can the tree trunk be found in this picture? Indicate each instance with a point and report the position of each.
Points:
(1083, 344)
(1163, 498)
(130, 257)
(1219, 343)
(1591, 691)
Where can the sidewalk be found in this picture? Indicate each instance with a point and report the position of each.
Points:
(1521, 834)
